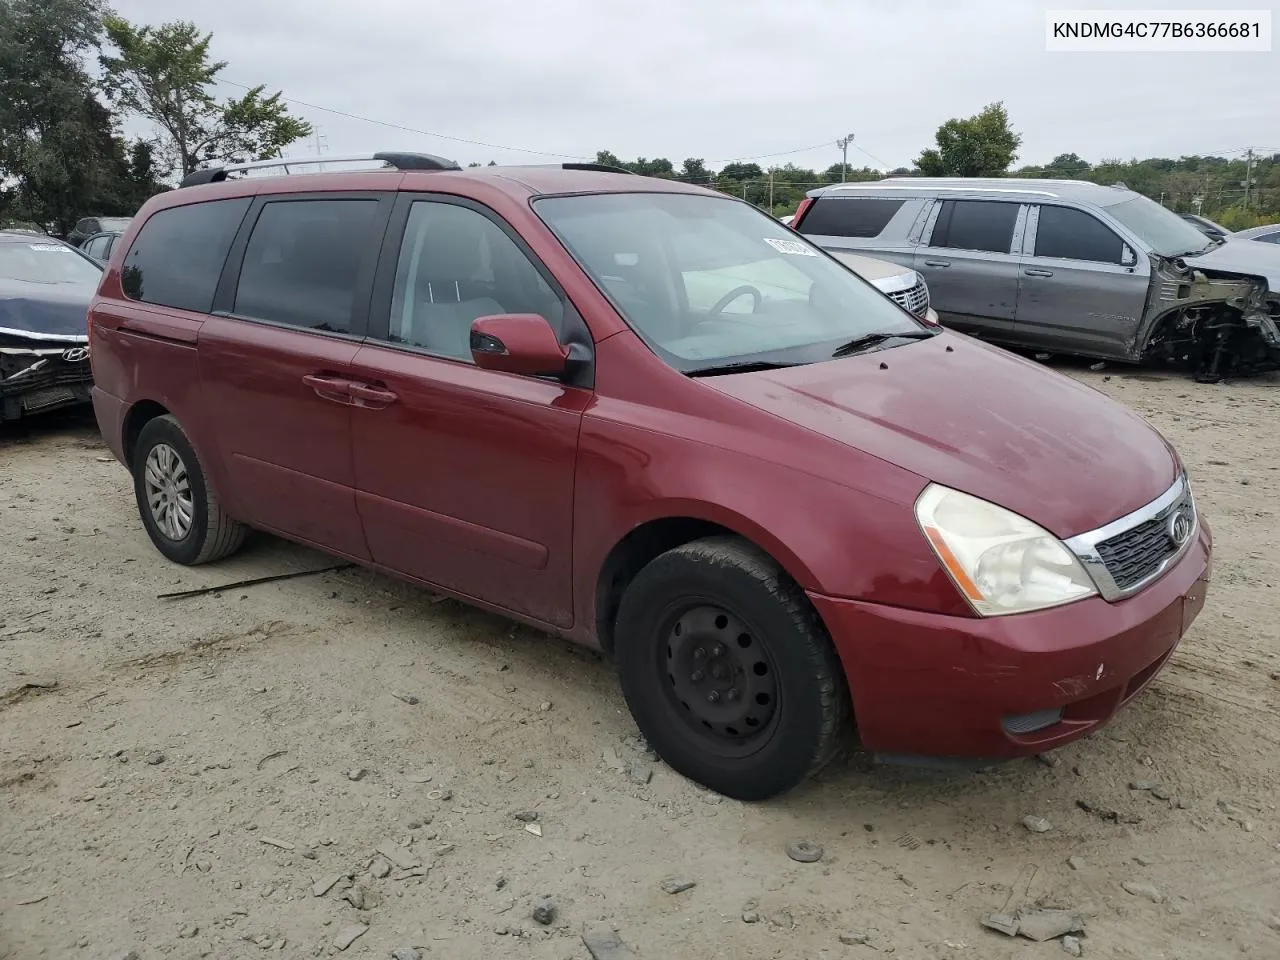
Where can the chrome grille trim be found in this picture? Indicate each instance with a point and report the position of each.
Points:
(914, 298)
(1086, 545)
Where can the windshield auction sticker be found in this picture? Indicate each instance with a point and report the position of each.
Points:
(793, 247)
(49, 247)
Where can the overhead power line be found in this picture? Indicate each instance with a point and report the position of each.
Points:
(781, 153)
(424, 133)
(503, 146)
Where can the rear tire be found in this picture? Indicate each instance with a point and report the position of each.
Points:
(728, 670)
(179, 509)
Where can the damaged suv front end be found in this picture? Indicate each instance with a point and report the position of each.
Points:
(45, 289)
(1217, 313)
(1213, 306)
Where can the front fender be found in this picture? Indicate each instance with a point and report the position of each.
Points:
(855, 539)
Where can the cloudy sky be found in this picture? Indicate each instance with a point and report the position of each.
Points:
(764, 80)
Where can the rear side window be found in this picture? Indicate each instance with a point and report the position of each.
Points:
(301, 264)
(177, 257)
(975, 225)
(1068, 234)
(849, 216)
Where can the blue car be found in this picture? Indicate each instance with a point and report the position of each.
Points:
(45, 288)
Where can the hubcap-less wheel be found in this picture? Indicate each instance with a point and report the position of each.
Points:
(720, 678)
(169, 492)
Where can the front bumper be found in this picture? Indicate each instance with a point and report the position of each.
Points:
(930, 685)
(40, 377)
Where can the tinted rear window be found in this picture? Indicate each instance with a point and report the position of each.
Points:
(178, 255)
(301, 263)
(849, 216)
(976, 225)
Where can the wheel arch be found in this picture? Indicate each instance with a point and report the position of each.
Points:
(143, 410)
(139, 415)
(679, 524)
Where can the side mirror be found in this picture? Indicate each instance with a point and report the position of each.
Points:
(521, 343)
(1127, 257)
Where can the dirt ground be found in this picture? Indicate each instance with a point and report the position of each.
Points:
(214, 777)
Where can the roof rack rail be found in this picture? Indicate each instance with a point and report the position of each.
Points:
(601, 167)
(398, 161)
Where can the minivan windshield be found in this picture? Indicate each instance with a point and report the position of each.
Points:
(713, 284)
(1160, 228)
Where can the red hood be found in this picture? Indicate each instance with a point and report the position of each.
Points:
(980, 420)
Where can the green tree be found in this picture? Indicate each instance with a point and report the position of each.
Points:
(657, 167)
(165, 74)
(851, 175)
(1236, 217)
(742, 171)
(60, 155)
(1209, 185)
(695, 171)
(979, 146)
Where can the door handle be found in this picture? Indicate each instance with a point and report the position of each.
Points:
(367, 395)
(1038, 273)
(337, 389)
(937, 263)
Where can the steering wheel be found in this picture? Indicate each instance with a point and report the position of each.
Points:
(733, 295)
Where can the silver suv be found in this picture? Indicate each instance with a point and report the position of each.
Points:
(1065, 266)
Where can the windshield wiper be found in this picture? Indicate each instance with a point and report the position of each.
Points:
(746, 366)
(869, 340)
(1213, 244)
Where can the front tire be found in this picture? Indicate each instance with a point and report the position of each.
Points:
(728, 670)
(179, 509)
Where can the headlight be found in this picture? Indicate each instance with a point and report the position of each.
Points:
(1001, 562)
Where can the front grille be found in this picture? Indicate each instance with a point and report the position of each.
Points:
(49, 397)
(1025, 723)
(915, 299)
(1140, 551)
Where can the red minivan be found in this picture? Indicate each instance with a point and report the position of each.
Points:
(650, 418)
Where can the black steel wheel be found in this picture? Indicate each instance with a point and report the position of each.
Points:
(728, 670)
(721, 678)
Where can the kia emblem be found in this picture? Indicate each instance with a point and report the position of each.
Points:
(1180, 526)
(75, 354)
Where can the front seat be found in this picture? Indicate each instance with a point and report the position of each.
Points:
(450, 292)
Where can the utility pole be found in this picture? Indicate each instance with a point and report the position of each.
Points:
(1248, 176)
(771, 191)
(843, 144)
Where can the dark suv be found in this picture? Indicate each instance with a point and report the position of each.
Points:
(650, 418)
(87, 227)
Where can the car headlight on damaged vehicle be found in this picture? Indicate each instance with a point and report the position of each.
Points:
(1001, 562)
